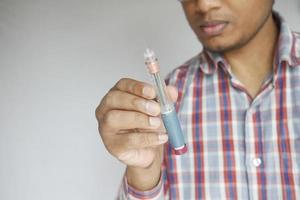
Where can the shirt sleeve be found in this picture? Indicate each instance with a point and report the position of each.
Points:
(127, 192)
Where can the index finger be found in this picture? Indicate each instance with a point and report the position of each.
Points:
(135, 87)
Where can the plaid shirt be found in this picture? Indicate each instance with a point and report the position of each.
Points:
(238, 147)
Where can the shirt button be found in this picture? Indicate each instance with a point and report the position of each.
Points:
(256, 162)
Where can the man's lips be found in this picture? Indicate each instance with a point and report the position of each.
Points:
(213, 28)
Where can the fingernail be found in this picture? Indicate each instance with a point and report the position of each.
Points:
(154, 121)
(162, 138)
(147, 91)
(152, 108)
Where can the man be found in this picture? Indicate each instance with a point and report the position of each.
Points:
(238, 103)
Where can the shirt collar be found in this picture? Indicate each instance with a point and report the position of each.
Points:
(287, 41)
(286, 50)
(209, 61)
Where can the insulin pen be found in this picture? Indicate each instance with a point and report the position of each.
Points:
(168, 112)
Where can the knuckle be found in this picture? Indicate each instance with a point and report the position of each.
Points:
(105, 104)
(110, 98)
(110, 146)
(100, 108)
(110, 117)
(107, 98)
(98, 113)
(121, 82)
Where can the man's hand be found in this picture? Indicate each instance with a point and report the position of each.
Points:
(131, 129)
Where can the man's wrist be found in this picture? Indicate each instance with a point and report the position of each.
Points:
(144, 179)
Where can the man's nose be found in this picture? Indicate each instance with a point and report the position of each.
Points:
(204, 6)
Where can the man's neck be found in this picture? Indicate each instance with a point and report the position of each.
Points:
(254, 61)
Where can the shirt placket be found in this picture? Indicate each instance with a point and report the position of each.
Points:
(253, 155)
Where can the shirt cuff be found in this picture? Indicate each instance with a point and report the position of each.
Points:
(133, 193)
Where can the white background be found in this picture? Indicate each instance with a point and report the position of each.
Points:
(57, 60)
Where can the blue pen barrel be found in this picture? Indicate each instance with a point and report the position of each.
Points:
(174, 130)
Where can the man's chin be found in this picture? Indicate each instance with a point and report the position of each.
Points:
(213, 44)
(220, 48)
(216, 49)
